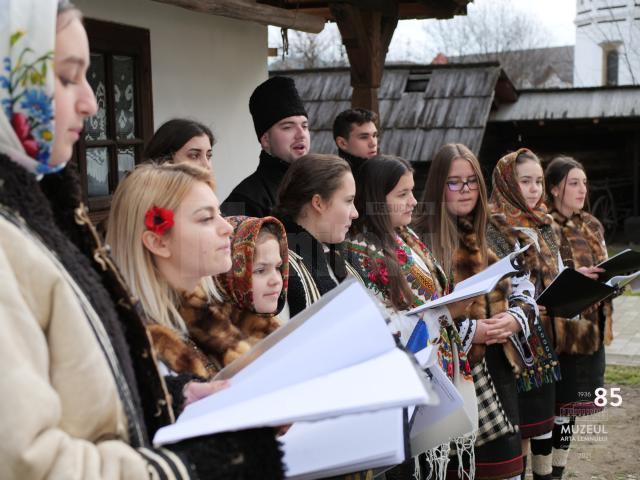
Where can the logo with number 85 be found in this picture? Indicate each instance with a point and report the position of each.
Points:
(601, 397)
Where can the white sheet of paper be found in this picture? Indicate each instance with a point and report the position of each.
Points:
(479, 284)
(350, 390)
(331, 335)
(502, 267)
(344, 445)
(435, 424)
(428, 356)
(624, 280)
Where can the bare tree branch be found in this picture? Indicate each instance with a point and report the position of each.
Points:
(308, 50)
(495, 30)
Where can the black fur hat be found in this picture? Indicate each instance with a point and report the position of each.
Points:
(273, 100)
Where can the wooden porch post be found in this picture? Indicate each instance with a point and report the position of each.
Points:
(366, 33)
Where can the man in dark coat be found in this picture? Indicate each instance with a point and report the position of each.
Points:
(356, 136)
(280, 121)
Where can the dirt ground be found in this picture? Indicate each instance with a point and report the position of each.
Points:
(611, 451)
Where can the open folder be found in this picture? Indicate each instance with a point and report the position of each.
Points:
(623, 267)
(571, 292)
(335, 359)
(479, 284)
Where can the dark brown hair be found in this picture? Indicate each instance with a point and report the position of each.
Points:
(377, 177)
(434, 220)
(557, 171)
(312, 174)
(171, 136)
(343, 124)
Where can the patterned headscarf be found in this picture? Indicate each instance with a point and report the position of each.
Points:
(507, 199)
(27, 82)
(236, 285)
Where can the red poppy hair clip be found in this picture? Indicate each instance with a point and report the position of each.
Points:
(158, 220)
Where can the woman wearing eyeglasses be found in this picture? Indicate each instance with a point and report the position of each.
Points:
(453, 220)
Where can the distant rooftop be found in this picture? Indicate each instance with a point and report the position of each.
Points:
(421, 107)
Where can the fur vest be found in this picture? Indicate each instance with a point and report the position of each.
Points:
(582, 245)
(467, 261)
(217, 334)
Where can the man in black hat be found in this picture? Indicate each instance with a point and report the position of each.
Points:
(280, 121)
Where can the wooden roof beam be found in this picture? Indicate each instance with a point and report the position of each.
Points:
(366, 34)
(407, 9)
(252, 11)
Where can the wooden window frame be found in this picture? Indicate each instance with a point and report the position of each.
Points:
(109, 39)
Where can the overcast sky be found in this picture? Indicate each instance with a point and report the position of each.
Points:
(557, 15)
(410, 42)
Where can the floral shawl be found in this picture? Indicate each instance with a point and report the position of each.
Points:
(27, 83)
(221, 331)
(425, 285)
(236, 284)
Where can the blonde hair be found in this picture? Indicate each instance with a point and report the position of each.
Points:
(147, 186)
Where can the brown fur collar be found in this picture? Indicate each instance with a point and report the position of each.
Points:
(222, 331)
(582, 245)
(468, 261)
(178, 354)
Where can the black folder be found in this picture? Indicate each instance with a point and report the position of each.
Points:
(572, 292)
(624, 263)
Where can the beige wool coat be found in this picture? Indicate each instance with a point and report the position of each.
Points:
(60, 411)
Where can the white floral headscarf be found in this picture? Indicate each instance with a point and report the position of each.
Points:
(27, 42)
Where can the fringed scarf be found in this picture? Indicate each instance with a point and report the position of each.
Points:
(582, 245)
(519, 224)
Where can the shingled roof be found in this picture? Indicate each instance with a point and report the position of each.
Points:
(421, 107)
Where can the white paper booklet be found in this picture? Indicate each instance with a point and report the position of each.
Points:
(345, 444)
(479, 284)
(433, 425)
(621, 281)
(330, 360)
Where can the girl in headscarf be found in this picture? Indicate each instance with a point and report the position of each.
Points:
(499, 323)
(82, 396)
(579, 341)
(253, 291)
(518, 216)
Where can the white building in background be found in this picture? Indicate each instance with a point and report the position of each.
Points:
(607, 50)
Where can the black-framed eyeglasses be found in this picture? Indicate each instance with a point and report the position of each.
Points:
(458, 185)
